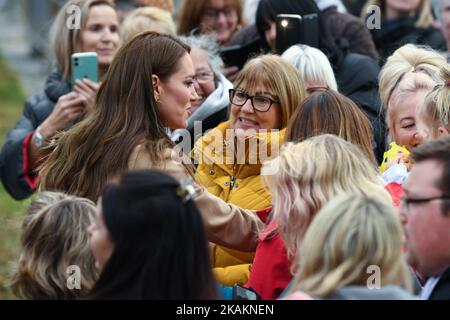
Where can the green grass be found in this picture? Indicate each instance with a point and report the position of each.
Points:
(11, 211)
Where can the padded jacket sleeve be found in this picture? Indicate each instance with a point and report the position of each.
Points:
(18, 179)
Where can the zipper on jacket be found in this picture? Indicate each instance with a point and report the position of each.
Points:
(232, 182)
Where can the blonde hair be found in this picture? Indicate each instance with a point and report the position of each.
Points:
(54, 237)
(309, 174)
(279, 77)
(437, 102)
(147, 19)
(407, 59)
(351, 233)
(65, 41)
(313, 65)
(425, 19)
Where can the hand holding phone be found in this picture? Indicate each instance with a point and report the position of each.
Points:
(68, 108)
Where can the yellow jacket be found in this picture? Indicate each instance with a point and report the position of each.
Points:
(230, 169)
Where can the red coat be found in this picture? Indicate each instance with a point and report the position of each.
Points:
(270, 273)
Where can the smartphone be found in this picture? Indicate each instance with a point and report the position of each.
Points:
(288, 28)
(294, 29)
(84, 65)
(238, 55)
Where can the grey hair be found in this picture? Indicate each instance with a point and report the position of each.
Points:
(210, 46)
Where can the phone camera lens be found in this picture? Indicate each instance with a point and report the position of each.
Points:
(76, 64)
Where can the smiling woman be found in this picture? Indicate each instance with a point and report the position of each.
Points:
(406, 99)
(267, 91)
(221, 18)
(409, 73)
(101, 34)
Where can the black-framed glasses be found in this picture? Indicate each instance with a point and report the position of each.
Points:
(408, 201)
(259, 103)
(204, 77)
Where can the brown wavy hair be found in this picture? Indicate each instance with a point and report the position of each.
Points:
(125, 115)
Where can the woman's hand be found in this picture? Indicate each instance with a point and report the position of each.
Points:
(69, 107)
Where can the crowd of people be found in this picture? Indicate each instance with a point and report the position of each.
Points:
(179, 177)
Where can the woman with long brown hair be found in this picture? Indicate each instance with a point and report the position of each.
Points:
(147, 89)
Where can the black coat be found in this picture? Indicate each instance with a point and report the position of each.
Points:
(37, 109)
(395, 34)
(357, 79)
(344, 25)
(442, 289)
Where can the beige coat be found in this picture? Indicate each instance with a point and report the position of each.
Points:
(225, 224)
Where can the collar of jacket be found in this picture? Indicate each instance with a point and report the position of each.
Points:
(233, 155)
(56, 85)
